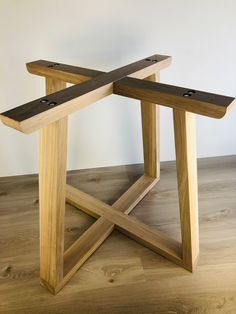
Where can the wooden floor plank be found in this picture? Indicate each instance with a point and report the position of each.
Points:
(122, 276)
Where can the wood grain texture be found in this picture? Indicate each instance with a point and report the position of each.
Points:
(123, 276)
(186, 166)
(38, 113)
(52, 183)
(151, 134)
(199, 102)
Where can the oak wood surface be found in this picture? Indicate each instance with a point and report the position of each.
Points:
(186, 165)
(150, 114)
(123, 276)
(52, 184)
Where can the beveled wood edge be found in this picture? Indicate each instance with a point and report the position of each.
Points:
(199, 102)
(229, 108)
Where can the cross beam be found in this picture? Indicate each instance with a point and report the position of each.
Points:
(43, 111)
(38, 113)
(49, 115)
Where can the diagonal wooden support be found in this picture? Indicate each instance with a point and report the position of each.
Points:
(155, 240)
(92, 238)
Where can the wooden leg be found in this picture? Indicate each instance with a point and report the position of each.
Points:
(151, 135)
(185, 146)
(52, 185)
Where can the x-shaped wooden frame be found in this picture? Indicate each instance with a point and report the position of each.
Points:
(49, 115)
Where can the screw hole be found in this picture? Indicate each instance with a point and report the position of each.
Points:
(43, 101)
(189, 93)
(153, 60)
(52, 103)
(53, 65)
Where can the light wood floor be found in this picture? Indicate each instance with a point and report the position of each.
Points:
(122, 276)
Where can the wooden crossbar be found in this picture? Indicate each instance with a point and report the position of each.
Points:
(74, 74)
(157, 241)
(38, 113)
(187, 99)
(93, 237)
(195, 101)
(45, 110)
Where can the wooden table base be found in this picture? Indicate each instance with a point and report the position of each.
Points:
(57, 266)
(49, 115)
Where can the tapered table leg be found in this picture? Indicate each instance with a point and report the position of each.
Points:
(52, 184)
(151, 135)
(185, 145)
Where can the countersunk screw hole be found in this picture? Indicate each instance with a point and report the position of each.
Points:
(191, 92)
(52, 103)
(43, 101)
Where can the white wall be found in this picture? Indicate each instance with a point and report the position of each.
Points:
(105, 34)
